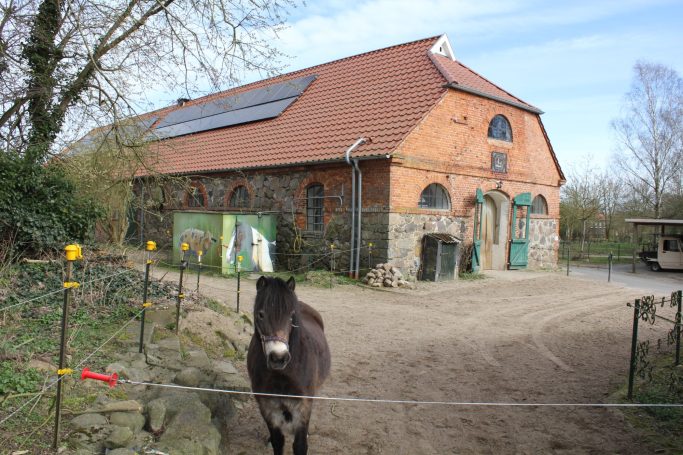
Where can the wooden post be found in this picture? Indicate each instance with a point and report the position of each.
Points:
(635, 247)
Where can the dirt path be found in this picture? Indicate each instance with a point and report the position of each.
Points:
(513, 337)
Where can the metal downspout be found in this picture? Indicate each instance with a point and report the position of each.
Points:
(360, 214)
(353, 200)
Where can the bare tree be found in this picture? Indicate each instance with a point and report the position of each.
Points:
(650, 133)
(73, 61)
(580, 199)
(610, 193)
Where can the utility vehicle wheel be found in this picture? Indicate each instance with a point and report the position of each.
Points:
(655, 267)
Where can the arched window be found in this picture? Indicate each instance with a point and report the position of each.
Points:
(539, 206)
(499, 128)
(196, 196)
(434, 196)
(239, 197)
(314, 207)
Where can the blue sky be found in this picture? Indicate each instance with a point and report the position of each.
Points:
(572, 59)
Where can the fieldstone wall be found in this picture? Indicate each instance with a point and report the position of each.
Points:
(405, 232)
(296, 248)
(544, 243)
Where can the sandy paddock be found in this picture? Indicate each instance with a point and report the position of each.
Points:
(513, 337)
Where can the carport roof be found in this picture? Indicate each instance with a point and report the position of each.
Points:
(654, 222)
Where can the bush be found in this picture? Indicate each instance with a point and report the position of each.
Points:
(40, 208)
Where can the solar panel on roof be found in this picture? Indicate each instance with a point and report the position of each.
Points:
(127, 129)
(258, 104)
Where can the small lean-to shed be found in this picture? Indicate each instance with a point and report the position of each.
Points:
(440, 253)
(223, 236)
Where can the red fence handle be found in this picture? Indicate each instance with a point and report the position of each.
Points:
(110, 379)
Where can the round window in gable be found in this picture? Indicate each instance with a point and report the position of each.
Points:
(500, 129)
(435, 196)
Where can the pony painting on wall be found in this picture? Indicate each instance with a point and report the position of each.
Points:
(222, 237)
(254, 246)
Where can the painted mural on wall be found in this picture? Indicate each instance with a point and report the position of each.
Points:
(248, 242)
(198, 240)
(221, 237)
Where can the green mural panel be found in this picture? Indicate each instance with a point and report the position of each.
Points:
(225, 236)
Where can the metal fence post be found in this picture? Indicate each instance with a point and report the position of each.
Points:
(589, 252)
(370, 256)
(183, 264)
(634, 344)
(73, 252)
(331, 263)
(678, 328)
(239, 272)
(609, 267)
(150, 246)
(199, 267)
(569, 255)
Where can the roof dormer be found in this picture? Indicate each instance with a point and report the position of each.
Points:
(443, 47)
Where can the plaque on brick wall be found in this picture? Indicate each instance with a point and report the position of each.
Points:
(499, 162)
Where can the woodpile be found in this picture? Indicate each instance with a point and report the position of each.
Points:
(386, 275)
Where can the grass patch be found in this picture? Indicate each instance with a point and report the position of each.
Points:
(471, 276)
(659, 427)
(215, 305)
(327, 279)
(105, 301)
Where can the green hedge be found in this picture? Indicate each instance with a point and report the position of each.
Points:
(40, 209)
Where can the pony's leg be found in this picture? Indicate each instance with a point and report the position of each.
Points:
(277, 440)
(301, 441)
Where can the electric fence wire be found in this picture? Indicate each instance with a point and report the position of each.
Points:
(321, 258)
(31, 300)
(85, 359)
(408, 402)
(24, 302)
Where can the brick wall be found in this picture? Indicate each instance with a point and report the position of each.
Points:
(451, 147)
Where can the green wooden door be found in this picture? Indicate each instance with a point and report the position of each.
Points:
(519, 239)
(476, 244)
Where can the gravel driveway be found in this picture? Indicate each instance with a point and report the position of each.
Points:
(512, 337)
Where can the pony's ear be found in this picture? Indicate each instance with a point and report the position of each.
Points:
(261, 283)
(291, 283)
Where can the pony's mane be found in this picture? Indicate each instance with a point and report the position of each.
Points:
(275, 298)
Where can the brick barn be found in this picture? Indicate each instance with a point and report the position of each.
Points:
(428, 144)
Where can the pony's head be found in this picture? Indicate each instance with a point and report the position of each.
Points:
(275, 316)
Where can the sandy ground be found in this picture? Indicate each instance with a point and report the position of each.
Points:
(513, 337)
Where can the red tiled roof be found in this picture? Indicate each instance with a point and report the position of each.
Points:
(460, 76)
(379, 95)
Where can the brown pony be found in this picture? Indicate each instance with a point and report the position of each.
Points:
(288, 355)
